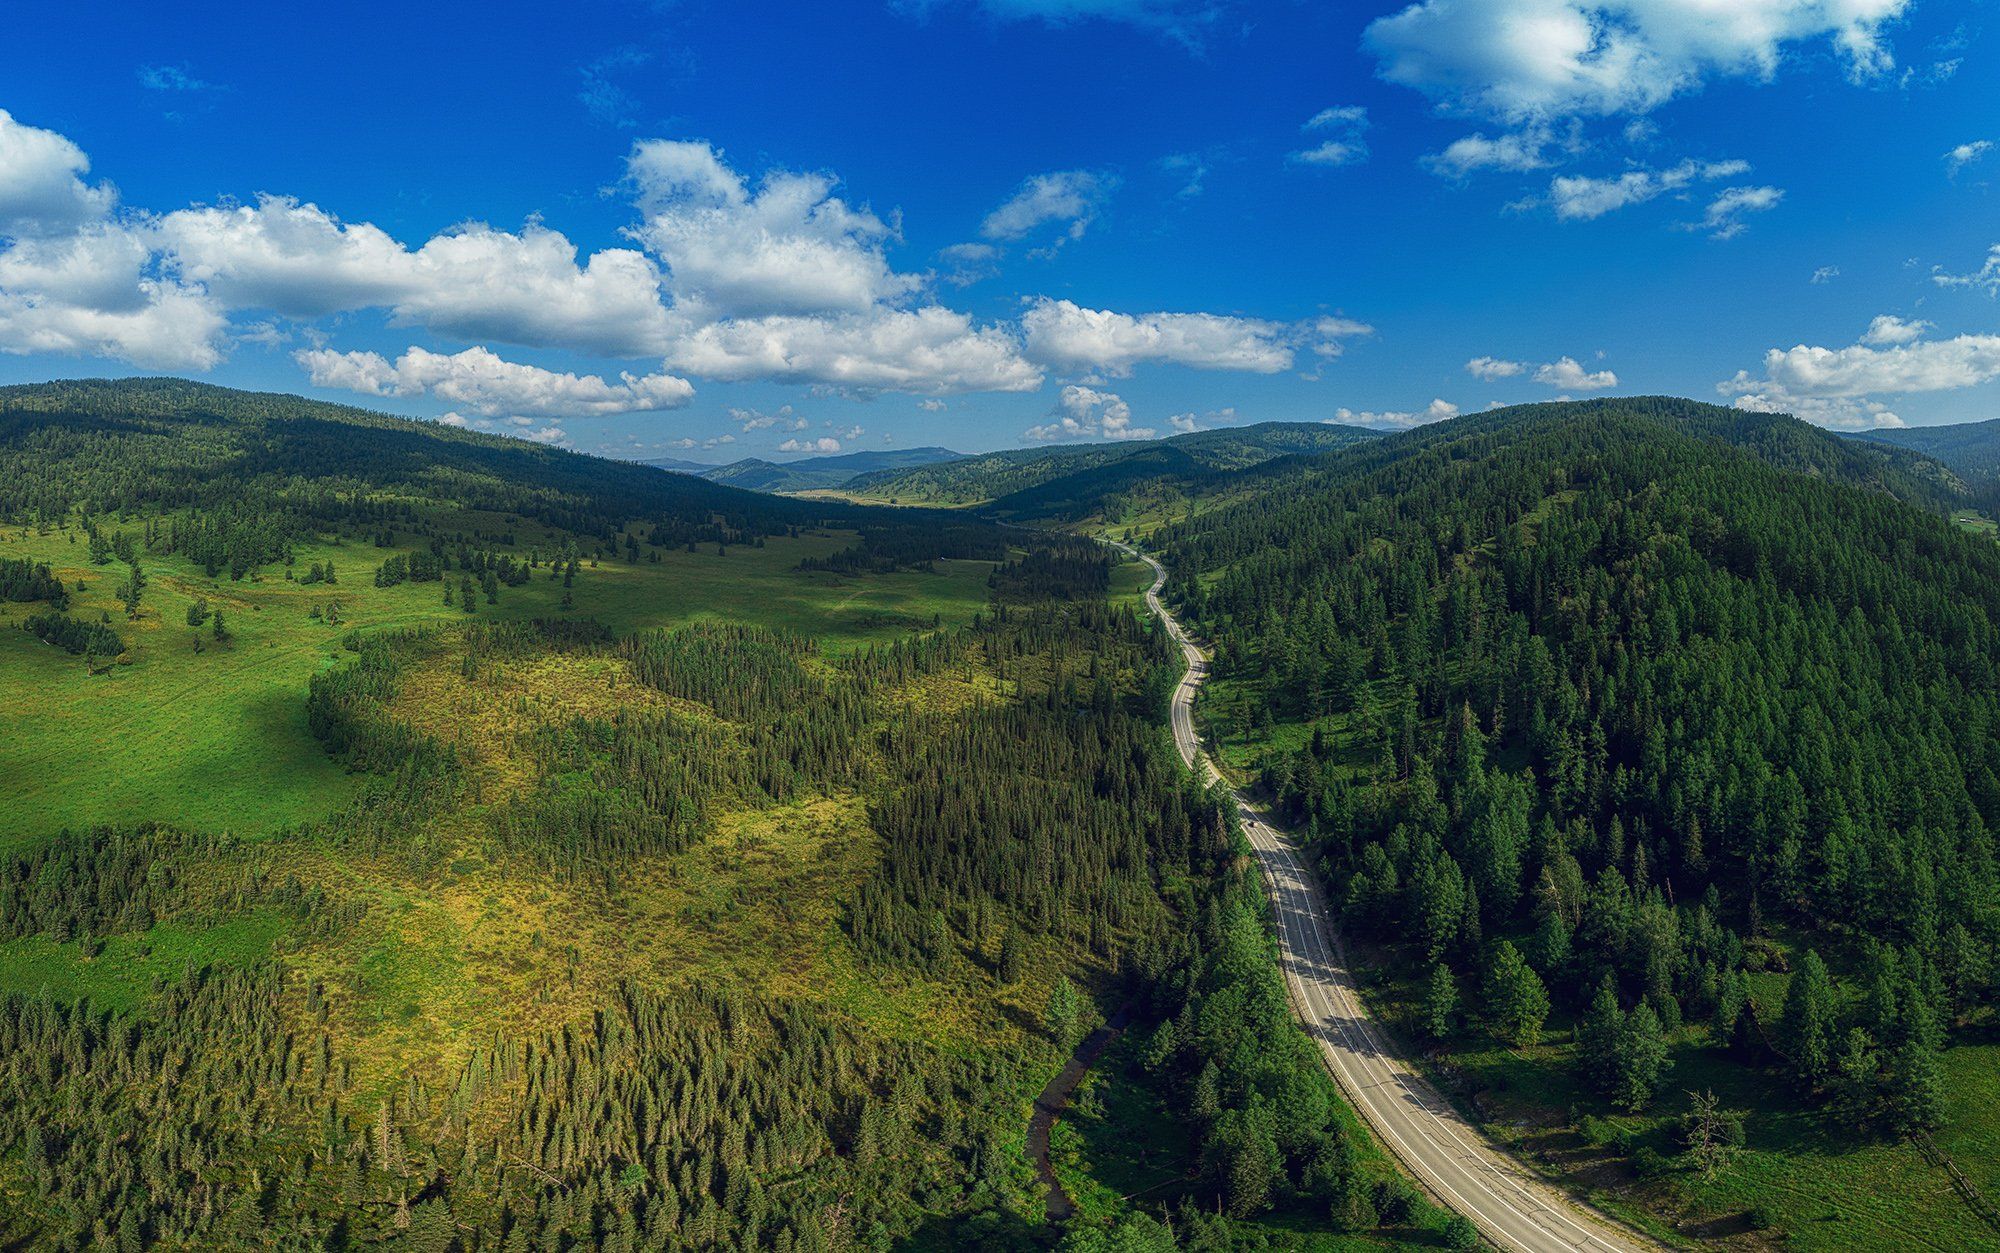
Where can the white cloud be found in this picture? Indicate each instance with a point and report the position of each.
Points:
(1986, 277)
(1565, 374)
(1724, 219)
(88, 294)
(472, 282)
(1525, 60)
(1492, 369)
(1085, 413)
(967, 264)
(1436, 411)
(931, 406)
(1840, 386)
(489, 385)
(1888, 329)
(1965, 154)
(790, 247)
(755, 420)
(1069, 199)
(1525, 149)
(824, 444)
(1861, 369)
(1825, 274)
(1343, 127)
(1067, 336)
(42, 191)
(1188, 423)
(1581, 198)
(928, 350)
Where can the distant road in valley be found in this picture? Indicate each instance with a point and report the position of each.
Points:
(1512, 1209)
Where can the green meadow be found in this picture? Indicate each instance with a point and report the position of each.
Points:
(217, 739)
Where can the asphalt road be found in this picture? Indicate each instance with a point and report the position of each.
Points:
(1511, 1208)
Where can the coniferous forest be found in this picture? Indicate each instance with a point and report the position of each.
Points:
(622, 923)
(1652, 741)
(513, 850)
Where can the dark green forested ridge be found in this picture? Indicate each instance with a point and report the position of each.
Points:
(1970, 449)
(1616, 704)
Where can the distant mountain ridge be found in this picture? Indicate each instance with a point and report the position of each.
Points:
(1004, 477)
(809, 473)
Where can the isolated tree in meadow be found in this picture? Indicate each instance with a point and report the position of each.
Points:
(465, 601)
(1805, 1030)
(221, 632)
(130, 590)
(1710, 1134)
(1516, 1002)
(197, 612)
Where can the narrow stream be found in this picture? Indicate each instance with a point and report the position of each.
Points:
(1055, 1098)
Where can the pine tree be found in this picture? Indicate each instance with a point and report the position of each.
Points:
(1805, 1029)
(1516, 1002)
(1642, 1059)
(1439, 1012)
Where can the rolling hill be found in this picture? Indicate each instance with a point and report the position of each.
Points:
(809, 473)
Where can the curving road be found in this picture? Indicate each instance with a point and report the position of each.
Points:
(1511, 1208)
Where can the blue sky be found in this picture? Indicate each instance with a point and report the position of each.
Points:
(714, 230)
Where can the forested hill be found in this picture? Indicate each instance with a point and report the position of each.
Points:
(260, 468)
(1629, 701)
(995, 476)
(1970, 449)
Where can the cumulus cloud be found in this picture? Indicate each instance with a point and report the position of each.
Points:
(787, 247)
(1528, 60)
(825, 444)
(489, 385)
(1085, 413)
(1581, 198)
(1188, 423)
(1436, 411)
(473, 282)
(1065, 335)
(1492, 369)
(42, 189)
(930, 350)
(1067, 199)
(1342, 144)
(1565, 374)
(89, 294)
(1965, 154)
(1842, 386)
(1888, 329)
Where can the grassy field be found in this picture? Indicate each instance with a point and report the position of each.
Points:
(217, 740)
(1977, 523)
